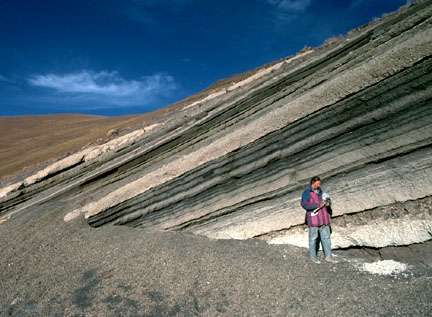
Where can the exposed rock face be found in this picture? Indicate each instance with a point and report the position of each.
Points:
(358, 113)
(393, 225)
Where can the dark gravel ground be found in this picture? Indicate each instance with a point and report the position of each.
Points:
(50, 268)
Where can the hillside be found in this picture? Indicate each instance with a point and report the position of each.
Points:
(29, 143)
(196, 211)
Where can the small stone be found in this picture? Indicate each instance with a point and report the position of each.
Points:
(15, 301)
(112, 132)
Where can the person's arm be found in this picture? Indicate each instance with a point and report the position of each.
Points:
(306, 202)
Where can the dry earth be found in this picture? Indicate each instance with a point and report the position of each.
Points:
(53, 268)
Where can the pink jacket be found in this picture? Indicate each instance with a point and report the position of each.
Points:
(310, 201)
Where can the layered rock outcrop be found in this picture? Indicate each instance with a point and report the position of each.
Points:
(357, 112)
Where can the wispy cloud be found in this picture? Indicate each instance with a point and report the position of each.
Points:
(285, 11)
(105, 87)
(290, 5)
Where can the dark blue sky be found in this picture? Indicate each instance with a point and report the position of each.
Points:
(131, 56)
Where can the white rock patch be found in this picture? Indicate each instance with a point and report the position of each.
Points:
(377, 234)
(10, 188)
(249, 79)
(385, 267)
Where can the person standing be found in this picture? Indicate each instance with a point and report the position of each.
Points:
(317, 219)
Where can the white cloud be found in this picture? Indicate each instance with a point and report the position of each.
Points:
(286, 11)
(103, 83)
(290, 5)
(106, 86)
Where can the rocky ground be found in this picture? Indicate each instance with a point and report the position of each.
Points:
(50, 268)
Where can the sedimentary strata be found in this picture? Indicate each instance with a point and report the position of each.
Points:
(358, 113)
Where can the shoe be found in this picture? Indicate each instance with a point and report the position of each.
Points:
(315, 260)
(331, 259)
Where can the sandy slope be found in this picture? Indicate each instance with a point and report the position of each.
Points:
(26, 141)
(50, 268)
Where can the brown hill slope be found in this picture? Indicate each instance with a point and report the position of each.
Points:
(31, 140)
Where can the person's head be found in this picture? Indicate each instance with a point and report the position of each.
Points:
(315, 182)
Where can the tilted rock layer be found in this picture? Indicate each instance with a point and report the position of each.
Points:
(358, 113)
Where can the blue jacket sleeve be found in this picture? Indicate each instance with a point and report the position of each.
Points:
(306, 201)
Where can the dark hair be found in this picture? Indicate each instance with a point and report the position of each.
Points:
(314, 179)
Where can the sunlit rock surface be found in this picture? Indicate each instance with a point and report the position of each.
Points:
(357, 112)
(399, 224)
